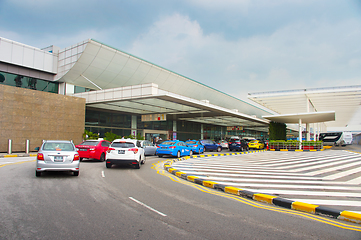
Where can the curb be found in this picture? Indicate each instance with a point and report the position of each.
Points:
(18, 155)
(260, 197)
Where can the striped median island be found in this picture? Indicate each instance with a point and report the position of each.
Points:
(260, 197)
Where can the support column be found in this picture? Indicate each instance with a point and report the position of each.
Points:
(300, 132)
(308, 130)
(202, 131)
(134, 126)
(174, 137)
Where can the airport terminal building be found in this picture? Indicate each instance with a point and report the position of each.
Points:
(55, 93)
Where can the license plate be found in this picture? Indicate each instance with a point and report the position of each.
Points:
(58, 159)
(121, 151)
(83, 149)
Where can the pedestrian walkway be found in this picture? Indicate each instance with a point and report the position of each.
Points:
(329, 178)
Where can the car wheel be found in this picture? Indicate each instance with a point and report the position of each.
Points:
(102, 157)
(190, 153)
(76, 173)
(137, 166)
(219, 149)
(38, 174)
(160, 155)
(178, 154)
(143, 160)
(108, 165)
(201, 151)
(247, 149)
(230, 150)
(81, 159)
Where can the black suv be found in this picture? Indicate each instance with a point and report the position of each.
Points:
(238, 145)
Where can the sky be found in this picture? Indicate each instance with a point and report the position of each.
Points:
(235, 46)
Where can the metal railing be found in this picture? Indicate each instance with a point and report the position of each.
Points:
(296, 145)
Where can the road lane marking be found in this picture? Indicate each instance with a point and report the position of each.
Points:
(145, 205)
(103, 175)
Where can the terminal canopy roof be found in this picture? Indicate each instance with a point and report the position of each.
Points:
(149, 99)
(343, 101)
(104, 69)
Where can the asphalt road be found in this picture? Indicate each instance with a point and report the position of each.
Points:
(126, 203)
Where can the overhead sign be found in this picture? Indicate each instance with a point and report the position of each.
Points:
(154, 117)
(234, 128)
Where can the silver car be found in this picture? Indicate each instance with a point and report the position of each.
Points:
(149, 148)
(57, 155)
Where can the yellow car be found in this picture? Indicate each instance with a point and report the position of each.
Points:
(256, 144)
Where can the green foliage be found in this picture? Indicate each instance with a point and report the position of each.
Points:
(277, 131)
(111, 136)
(90, 135)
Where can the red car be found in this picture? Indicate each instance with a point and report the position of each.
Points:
(96, 149)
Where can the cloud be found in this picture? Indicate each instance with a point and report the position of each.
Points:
(299, 55)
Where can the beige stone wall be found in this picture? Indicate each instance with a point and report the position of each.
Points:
(35, 115)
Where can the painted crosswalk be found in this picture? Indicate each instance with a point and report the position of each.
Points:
(328, 178)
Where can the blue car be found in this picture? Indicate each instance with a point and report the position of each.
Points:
(196, 146)
(175, 148)
(210, 145)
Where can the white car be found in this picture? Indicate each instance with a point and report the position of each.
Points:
(223, 143)
(125, 152)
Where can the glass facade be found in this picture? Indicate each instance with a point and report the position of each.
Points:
(102, 121)
(28, 82)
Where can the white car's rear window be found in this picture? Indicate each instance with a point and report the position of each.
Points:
(123, 144)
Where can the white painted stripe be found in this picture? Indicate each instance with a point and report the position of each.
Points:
(337, 168)
(355, 181)
(330, 202)
(150, 208)
(267, 181)
(342, 174)
(258, 176)
(103, 175)
(298, 186)
(305, 193)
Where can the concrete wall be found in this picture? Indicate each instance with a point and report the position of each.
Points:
(35, 115)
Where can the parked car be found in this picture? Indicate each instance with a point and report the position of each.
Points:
(196, 146)
(125, 152)
(175, 148)
(210, 145)
(238, 145)
(96, 149)
(223, 143)
(149, 147)
(258, 144)
(57, 155)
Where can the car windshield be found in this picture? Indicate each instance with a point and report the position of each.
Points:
(52, 146)
(254, 141)
(168, 143)
(90, 143)
(234, 140)
(123, 144)
(191, 142)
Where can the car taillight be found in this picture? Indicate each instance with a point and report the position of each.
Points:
(92, 149)
(109, 149)
(40, 156)
(135, 150)
(194, 146)
(76, 157)
(172, 147)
